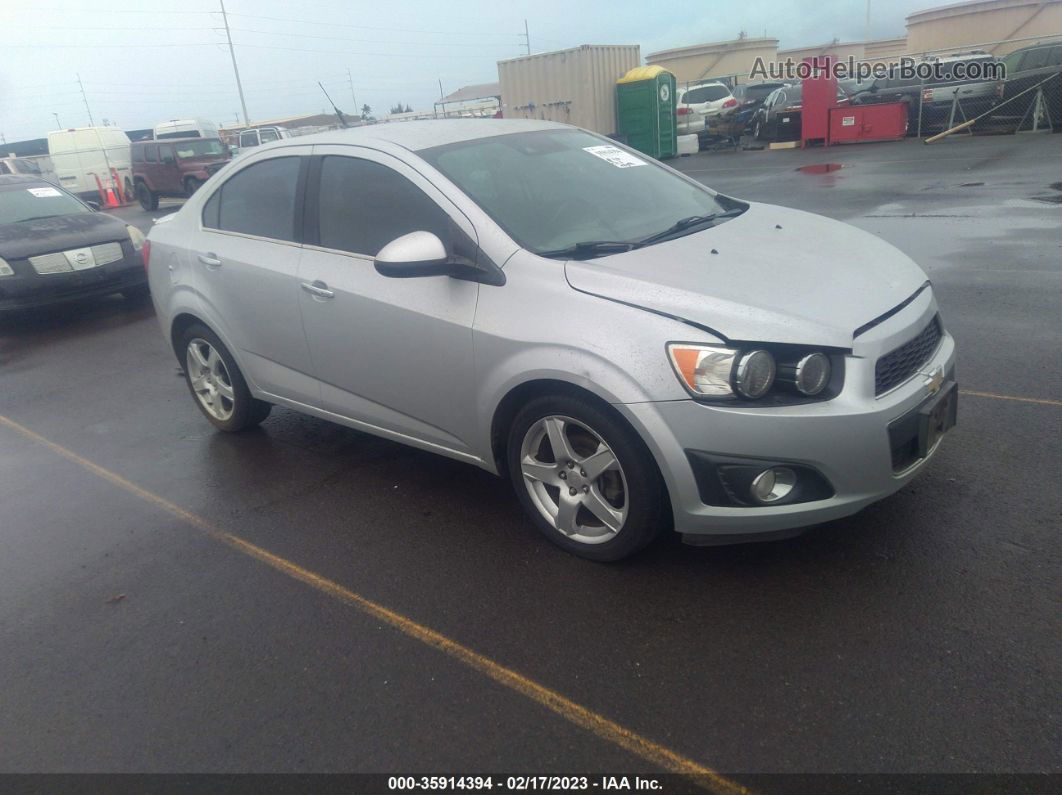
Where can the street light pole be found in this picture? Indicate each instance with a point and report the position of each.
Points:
(235, 69)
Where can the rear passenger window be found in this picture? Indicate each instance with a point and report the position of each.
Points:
(1035, 59)
(138, 154)
(259, 200)
(364, 206)
(151, 154)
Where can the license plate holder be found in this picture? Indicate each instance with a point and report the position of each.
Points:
(936, 417)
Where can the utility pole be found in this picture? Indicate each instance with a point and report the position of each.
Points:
(87, 110)
(527, 36)
(440, 88)
(353, 98)
(57, 122)
(235, 69)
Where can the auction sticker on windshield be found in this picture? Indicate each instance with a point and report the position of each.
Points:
(615, 156)
(42, 193)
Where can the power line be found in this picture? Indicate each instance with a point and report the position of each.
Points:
(371, 54)
(368, 27)
(289, 34)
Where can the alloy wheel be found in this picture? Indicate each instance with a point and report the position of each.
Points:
(210, 379)
(574, 479)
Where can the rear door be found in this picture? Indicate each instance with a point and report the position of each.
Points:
(245, 257)
(393, 353)
(169, 173)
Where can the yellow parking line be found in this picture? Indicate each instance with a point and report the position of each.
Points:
(575, 713)
(994, 396)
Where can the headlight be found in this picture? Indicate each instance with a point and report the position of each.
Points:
(136, 237)
(755, 374)
(5, 269)
(705, 371)
(812, 373)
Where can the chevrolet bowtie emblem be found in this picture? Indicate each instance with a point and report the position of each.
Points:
(935, 380)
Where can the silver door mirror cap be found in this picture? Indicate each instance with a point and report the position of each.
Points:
(415, 254)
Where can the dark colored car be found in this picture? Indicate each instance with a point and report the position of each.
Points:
(174, 168)
(778, 118)
(933, 100)
(1025, 69)
(55, 247)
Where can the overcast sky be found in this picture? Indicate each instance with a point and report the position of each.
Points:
(142, 61)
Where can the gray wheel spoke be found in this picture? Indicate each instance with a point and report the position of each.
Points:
(565, 519)
(225, 391)
(609, 516)
(599, 463)
(199, 382)
(537, 470)
(197, 355)
(212, 360)
(558, 440)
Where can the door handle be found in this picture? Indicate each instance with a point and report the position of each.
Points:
(318, 289)
(210, 259)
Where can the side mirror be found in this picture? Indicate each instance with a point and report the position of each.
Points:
(415, 254)
(94, 205)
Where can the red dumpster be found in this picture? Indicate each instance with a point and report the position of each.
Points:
(859, 123)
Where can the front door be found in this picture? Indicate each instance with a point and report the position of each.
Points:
(393, 353)
(245, 260)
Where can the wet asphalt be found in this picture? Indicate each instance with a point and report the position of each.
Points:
(921, 635)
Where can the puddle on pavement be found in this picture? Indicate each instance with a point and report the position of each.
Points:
(821, 168)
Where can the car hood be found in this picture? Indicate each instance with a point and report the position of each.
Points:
(780, 275)
(18, 241)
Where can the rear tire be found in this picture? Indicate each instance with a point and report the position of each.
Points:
(217, 386)
(148, 199)
(600, 496)
(130, 191)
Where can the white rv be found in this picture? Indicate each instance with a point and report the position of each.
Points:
(83, 155)
(185, 128)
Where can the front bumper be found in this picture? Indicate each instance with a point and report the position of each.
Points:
(845, 439)
(28, 289)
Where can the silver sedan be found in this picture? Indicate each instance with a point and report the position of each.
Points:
(633, 350)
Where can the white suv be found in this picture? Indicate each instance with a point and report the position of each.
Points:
(698, 102)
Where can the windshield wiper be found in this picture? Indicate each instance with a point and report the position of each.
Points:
(588, 249)
(37, 218)
(687, 225)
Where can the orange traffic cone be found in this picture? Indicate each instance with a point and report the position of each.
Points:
(110, 199)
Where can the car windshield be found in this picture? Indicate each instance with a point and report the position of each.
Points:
(556, 188)
(36, 200)
(203, 147)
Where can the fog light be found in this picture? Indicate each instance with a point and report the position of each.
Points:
(812, 373)
(773, 484)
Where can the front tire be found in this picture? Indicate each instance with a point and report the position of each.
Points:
(216, 383)
(148, 199)
(191, 185)
(585, 478)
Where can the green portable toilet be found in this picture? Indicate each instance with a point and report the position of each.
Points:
(645, 110)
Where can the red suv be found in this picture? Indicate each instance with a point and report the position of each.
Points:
(174, 168)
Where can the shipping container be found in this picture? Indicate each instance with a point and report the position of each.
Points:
(576, 86)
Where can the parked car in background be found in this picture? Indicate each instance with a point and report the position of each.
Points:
(937, 99)
(261, 135)
(84, 157)
(698, 102)
(429, 282)
(750, 97)
(185, 128)
(55, 247)
(175, 168)
(1025, 68)
(779, 117)
(35, 166)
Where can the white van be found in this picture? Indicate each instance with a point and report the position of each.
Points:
(83, 154)
(185, 128)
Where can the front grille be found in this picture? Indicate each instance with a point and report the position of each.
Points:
(901, 363)
(77, 259)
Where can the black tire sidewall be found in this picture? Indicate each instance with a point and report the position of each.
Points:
(247, 411)
(144, 192)
(646, 514)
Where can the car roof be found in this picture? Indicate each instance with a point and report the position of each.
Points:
(416, 135)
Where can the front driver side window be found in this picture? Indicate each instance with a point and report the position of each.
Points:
(364, 206)
(259, 200)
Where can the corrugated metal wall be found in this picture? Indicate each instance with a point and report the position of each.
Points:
(576, 86)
